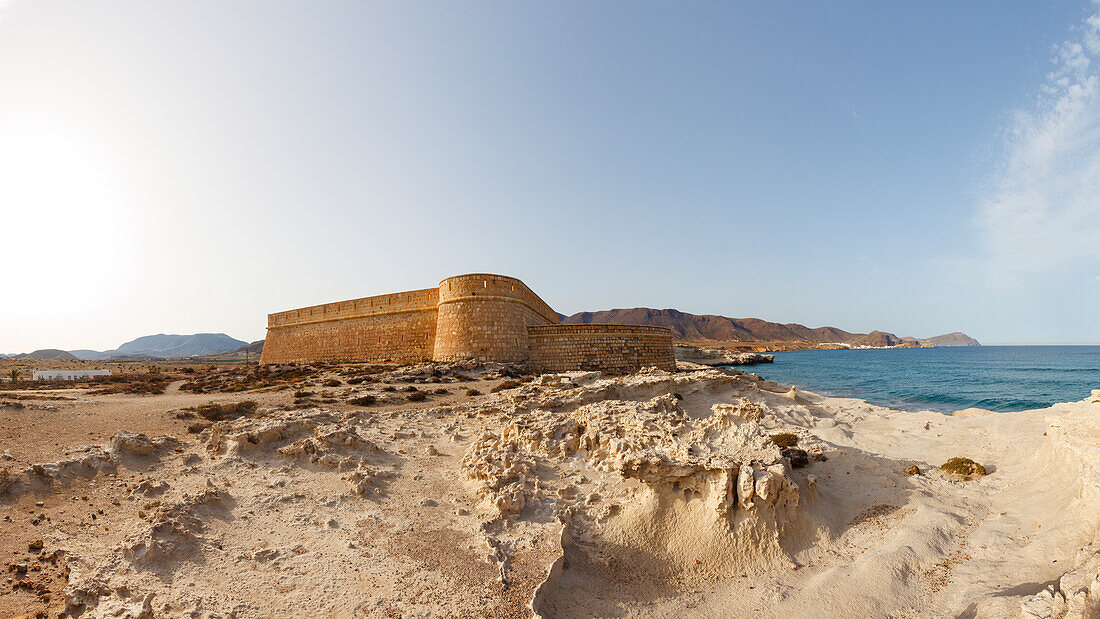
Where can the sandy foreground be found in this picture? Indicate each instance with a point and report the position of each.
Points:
(570, 495)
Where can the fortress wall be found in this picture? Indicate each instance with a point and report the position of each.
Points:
(407, 336)
(412, 300)
(612, 349)
(485, 317)
(397, 327)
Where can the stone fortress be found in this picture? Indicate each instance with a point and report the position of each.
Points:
(478, 316)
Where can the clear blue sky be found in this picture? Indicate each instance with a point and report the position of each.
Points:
(917, 168)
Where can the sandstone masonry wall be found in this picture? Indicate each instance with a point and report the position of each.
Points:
(612, 349)
(396, 327)
(485, 317)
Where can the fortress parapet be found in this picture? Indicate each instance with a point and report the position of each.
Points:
(477, 316)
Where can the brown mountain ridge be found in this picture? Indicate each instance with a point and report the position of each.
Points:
(704, 327)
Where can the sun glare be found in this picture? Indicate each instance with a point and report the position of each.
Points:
(60, 204)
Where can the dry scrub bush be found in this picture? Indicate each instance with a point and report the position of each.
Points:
(7, 480)
(225, 411)
(508, 384)
(785, 439)
(242, 378)
(151, 383)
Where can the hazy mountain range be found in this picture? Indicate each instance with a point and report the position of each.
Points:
(160, 346)
(700, 327)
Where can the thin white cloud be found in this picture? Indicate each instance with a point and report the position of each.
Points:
(1042, 209)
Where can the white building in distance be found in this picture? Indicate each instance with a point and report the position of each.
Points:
(69, 374)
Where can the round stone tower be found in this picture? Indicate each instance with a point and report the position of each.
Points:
(485, 317)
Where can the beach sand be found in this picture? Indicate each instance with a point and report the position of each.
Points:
(569, 495)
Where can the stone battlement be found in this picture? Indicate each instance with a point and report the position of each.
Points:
(398, 302)
(478, 316)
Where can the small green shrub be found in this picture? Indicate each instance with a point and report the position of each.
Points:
(963, 467)
(785, 439)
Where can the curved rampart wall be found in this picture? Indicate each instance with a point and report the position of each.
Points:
(485, 317)
(611, 349)
(395, 327)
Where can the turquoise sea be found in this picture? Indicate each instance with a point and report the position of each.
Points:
(998, 378)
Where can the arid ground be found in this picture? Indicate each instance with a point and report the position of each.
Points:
(478, 490)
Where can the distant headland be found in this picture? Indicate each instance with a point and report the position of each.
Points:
(754, 334)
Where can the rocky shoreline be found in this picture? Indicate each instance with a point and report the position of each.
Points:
(714, 357)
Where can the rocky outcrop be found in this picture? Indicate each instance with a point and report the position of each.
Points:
(717, 357)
